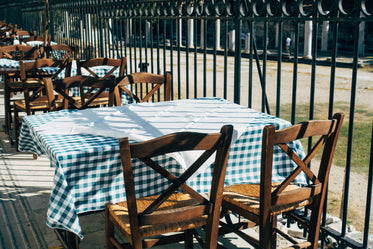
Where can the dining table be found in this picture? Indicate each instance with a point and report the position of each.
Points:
(83, 148)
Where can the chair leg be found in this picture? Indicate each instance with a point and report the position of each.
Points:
(314, 228)
(188, 239)
(109, 231)
(16, 127)
(267, 234)
(273, 231)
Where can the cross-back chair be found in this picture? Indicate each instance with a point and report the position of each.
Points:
(12, 83)
(33, 88)
(261, 203)
(178, 208)
(100, 68)
(23, 33)
(19, 52)
(60, 52)
(64, 88)
(143, 86)
(35, 38)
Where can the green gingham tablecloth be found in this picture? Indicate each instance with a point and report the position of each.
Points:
(83, 148)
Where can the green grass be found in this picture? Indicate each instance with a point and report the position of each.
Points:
(362, 133)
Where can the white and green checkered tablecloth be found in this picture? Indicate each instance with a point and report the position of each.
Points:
(83, 148)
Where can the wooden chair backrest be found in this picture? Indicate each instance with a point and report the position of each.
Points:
(31, 75)
(21, 33)
(60, 52)
(19, 52)
(96, 86)
(144, 93)
(208, 143)
(31, 69)
(35, 38)
(115, 63)
(327, 131)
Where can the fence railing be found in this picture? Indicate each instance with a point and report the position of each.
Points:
(237, 49)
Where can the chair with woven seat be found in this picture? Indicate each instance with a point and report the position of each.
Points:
(100, 68)
(16, 53)
(261, 203)
(19, 52)
(32, 85)
(178, 208)
(143, 86)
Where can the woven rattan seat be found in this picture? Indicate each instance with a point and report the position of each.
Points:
(120, 215)
(247, 197)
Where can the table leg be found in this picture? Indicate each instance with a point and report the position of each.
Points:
(7, 104)
(68, 239)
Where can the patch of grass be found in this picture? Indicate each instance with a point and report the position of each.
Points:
(361, 132)
(334, 209)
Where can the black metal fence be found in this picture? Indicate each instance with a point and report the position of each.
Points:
(237, 49)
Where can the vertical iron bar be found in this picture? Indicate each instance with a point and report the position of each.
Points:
(350, 127)
(214, 58)
(195, 58)
(134, 43)
(204, 57)
(313, 76)
(165, 45)
(313, 70)
(158, 42)
(225, 58)
(179, 42)
(171, 56)
(333, 67)
(279, 64)
(237, 55)
(101, 42)
(264, 83)
(187, 60)
(295, 73)
(251, 57)
(369, 195)
(140, 45)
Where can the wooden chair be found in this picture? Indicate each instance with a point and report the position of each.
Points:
(31, 83)
(261, 203)
(172, 210)
(150, 85)
(19, 52)
(85, 100)
(86, 68)
(35, 38)
(23, 34)
(13, 82)
(60, 52)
